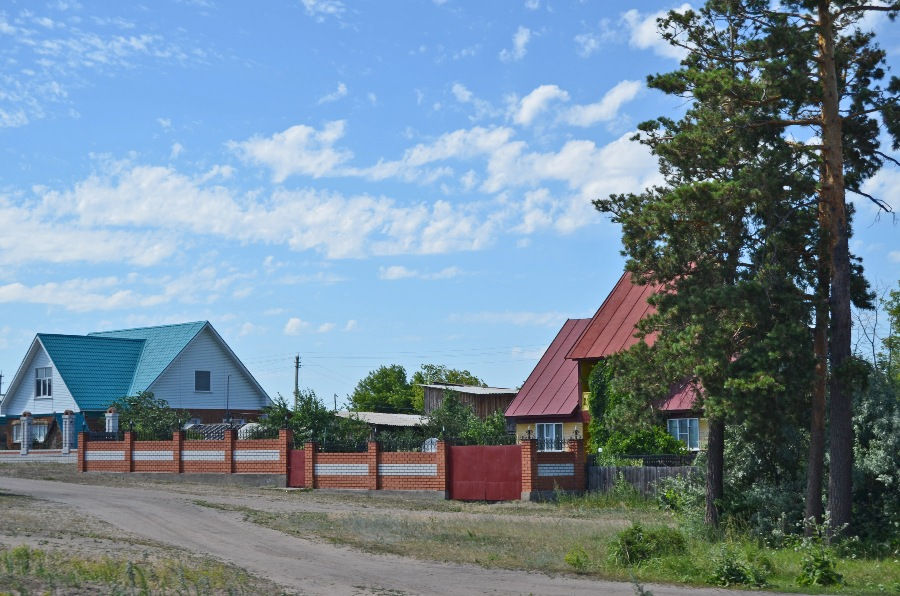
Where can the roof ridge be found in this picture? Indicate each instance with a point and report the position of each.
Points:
(203, 322)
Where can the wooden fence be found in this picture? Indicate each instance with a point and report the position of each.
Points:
(643, 478)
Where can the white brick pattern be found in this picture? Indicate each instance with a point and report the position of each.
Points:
(152, 455)
(104, 456)
(556, 469)
(407, 469)
(202, 455)
(257, 455)
(342, 469)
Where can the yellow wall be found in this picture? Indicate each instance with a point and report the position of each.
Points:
(569, 429)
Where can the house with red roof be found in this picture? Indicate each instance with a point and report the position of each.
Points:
(552, 404)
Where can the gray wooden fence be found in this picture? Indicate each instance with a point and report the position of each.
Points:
(643, 478)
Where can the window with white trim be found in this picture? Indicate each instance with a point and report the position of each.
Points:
(43, 381)
(38, 433)
(686, 430)
(202, 381)
(549, 436)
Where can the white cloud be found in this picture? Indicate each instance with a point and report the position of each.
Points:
(519, 48)
(79, 295)
(604, 110)
(894, 256)
(351, 325)
(537, 102)
(295, 326)
(483, 108)
(532, 4)
(176, 151)
(338, 93)
(589, 43)
(645, 35)
(325, 327)
(395, 272)
(250, 329)
(299, 150)
(319, 9)
(164, 122)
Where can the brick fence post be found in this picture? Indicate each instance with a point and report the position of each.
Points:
(177, 449)
(68, 431)
(309, 464)
(443, 471)
(372, 458)
(26, 433)
(230, 438)
(576, 447)
(529, 468)
(285, 440)
(129, 451)
(82, 447)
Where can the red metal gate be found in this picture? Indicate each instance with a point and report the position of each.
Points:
(296, 468)
(486, 473)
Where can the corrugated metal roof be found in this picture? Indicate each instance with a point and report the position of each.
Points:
(382, 419)
(473, 389)
(95, 370)
(682, 397)
(552, 387)
(613, 327)
(163, 344)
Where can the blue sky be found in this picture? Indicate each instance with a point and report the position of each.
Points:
(362, 183)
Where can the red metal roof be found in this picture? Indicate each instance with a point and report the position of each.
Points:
(613, 327)
(682, 397)
(552, 387)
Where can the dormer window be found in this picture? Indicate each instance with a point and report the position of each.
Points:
(201, 381)
(43, 382)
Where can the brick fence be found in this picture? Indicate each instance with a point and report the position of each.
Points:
(374, 469)
(179, 456)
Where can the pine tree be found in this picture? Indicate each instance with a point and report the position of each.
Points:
(748, 211)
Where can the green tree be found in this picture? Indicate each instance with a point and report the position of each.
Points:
(385, 389)
(438, 373)
(310, 420)
(755, 71)
(456, 420)
(147, 415)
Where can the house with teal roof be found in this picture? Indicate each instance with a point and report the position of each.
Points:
(189, 365)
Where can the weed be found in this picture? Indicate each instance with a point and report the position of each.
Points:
(636, 544)
(730, 569)
(577, 558)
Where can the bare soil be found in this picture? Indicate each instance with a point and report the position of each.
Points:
(105, 509)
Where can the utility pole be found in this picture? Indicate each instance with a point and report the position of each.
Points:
(296, 381)
(1, 382)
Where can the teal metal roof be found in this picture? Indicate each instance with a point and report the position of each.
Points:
(96, 370)
(161, 345)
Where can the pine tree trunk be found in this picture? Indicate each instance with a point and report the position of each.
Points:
(715, 466)
(841, 437)
(816, 466)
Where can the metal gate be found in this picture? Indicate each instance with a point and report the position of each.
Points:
(296, 468)
(486, 473)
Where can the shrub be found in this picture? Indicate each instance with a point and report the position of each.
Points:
(577, 558)
(730, 569)
(637, 544)
(646, 441)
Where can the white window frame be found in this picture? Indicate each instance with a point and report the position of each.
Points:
(549, 433)
(38, 432)
(43, 382)
(208, 383)
(686, 430)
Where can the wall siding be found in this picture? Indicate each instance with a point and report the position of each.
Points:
(176, 383)
(23, 399)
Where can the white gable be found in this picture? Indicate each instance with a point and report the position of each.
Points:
(230, 386)
(21, 394)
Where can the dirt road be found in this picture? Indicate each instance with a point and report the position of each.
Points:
(305, 566)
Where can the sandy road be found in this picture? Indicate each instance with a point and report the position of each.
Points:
(301, 565)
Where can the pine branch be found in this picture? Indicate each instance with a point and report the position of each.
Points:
(887, 157)
(867, 8)
(878, 202)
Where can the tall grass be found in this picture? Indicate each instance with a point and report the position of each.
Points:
(27, 570)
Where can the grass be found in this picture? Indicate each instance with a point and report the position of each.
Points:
(572, 534)
(47, 548)
(26, 570)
